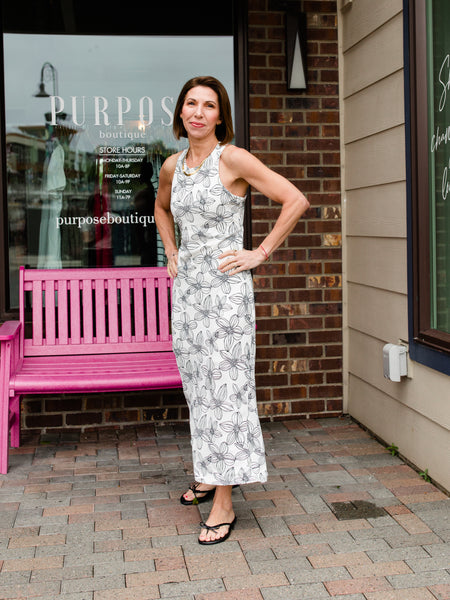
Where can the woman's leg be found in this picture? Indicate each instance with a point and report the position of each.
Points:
(221, 512)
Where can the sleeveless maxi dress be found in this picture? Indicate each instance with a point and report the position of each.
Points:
(213, 329)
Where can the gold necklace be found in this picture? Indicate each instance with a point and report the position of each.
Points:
(197, 169)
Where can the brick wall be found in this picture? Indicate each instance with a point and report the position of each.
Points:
(102, 410)
(298, 292)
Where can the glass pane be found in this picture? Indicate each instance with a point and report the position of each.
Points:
(438, 21)
(88, 125)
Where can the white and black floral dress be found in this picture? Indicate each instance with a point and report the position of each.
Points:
(213, 326)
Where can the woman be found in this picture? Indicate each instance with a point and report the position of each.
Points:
(203, 190)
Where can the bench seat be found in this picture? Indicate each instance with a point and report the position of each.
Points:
(98, 373)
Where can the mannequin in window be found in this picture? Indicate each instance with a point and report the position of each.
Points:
(53, 187)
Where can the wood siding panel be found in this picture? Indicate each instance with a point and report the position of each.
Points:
(378, 263)
(374, 58)
(378, 211)
(376, 108)
(376, 160)
(396, 423)
(428, 398)
(379, 313)
(365, 16)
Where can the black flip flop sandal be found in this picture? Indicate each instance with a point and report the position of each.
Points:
(197, 500)
(215, 529)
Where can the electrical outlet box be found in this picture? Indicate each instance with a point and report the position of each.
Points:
(395, 364)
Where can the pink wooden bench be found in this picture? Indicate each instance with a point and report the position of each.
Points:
(92, 330)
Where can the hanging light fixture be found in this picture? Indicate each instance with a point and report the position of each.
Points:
(296, 43)
(49, 73)
(42, 92)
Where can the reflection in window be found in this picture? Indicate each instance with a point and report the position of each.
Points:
(84, 153)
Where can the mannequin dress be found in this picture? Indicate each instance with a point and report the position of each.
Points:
(213, 328)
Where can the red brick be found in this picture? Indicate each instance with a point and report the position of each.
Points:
(307, 406)
(289, 393)
(325, 391)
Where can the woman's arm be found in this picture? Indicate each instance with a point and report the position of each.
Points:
(163, 217)
(241, 166)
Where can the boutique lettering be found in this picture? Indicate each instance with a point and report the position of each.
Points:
(444, 80)
(441, 134)
(108, 219)
(107, 112)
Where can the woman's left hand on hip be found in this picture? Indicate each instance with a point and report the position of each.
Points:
(240, 260)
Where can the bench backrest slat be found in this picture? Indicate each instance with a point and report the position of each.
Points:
(125, 305)
(50, 325)
(94, 311)
(164, 310)
(139, 312)
(151, 309)
(88, 321)
(38, 333)
(63, 313)
(112, 311)
(100, 307)
(75, 325)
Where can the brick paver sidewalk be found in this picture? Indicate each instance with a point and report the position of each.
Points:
(100, 519)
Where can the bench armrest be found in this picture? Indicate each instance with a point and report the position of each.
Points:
(10, 351)
(9, 330)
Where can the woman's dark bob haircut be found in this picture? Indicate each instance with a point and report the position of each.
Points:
(224, 130)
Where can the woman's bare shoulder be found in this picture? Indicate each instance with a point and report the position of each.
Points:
(168, 167)
(171, 162)
(240, 161)
(234, 154)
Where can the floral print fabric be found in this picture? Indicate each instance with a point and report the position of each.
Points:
(213, 328)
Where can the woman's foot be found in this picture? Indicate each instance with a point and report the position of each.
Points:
(221, 519)
(197, 493)
(215, 534)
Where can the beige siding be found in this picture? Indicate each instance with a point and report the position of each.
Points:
(377, 211)
(378, 263)
(365, 17)
(382, 315)
(376, 159)
(417, 409)
(398, 424)
(424, 397)
(375, 108)
(375, 57)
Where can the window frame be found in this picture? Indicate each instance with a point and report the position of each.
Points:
(239, 26)
(427, 345)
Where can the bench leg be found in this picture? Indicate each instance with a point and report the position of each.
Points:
(9, 421)
(5, 419)
(4, 434)
(14, 407)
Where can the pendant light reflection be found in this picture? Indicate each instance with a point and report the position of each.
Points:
(42, 92)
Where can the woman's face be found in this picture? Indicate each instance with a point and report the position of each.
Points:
(200, 112)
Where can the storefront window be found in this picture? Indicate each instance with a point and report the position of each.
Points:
(438, 49)
(88, 124)
(428, 137)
